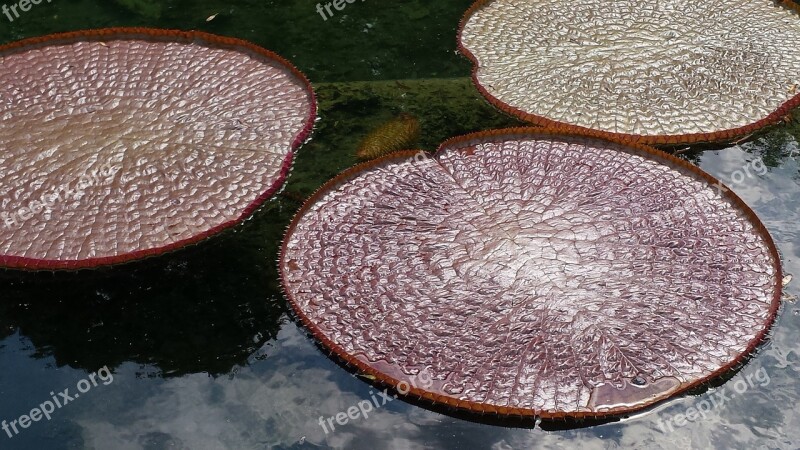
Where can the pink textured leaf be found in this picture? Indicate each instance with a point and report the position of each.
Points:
(667, 71)
(122, 143)
(535, 274)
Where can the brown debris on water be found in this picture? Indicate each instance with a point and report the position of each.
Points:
(397, 134)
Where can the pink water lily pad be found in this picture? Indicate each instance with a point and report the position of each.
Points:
(521, 272)
(123, 143)
(665, 72)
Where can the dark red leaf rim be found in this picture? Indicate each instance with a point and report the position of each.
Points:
(729, 135)
(460, 142)
(121, 33)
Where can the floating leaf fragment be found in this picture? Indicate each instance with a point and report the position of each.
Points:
(399, 133)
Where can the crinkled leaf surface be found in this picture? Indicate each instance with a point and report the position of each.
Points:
(662, 72)
(529, 273)
(123, 143)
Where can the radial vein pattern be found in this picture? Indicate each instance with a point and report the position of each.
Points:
(533, 274)
(122, 143)
(664, 71)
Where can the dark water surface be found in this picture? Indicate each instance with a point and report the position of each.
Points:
(200, 348)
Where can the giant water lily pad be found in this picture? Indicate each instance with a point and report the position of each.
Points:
(122, 143)
(671, 71)
(527, 273)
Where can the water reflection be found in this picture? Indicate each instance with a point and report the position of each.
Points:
(165, 324)
(183, 313)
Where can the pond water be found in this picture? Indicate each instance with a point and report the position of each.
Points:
(197, 349)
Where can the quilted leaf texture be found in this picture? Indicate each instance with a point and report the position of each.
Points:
(671, 71)
(122, 143)
(531, 273)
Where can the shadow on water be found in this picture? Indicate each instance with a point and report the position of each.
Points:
(182, 313)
